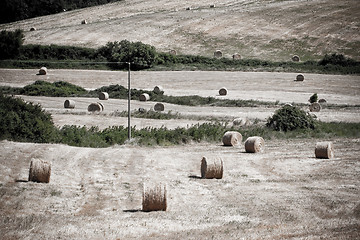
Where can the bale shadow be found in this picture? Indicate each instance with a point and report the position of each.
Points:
(195, 177)
(132, 210)
(21, 180)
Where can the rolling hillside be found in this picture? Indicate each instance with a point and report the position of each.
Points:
(265, 29)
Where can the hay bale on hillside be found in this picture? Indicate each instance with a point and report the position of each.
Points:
(172, 52)
(144, 97)
(95, 107)
(84, 21)
(315, 107)
(39, 171)
(69, 104)
(223, 91)
(295, 58)
(212, 6)
(159, 107)
(103, 96)
(232, 138)
(300, 77)
(154, 199)
(236, 56)
(322, 101)
(212, 169)
(218, 54)
(43, 71)
(158, 89)
(32, 29)
(324, 150)
(254, 144)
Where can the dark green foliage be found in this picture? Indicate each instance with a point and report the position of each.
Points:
(10, 43)
(22, 121)
(313, 98)
(289, 118)
(140, 55)
(337, 59)
(14, 10)
(56, 89)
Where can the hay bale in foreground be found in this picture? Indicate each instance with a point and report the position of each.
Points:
(95, 107)
(144, 97)
(300, 77)
(39, 171)
(254, 144)
(158, 89)
(218, 54)
(69, 104)
(103, 96)
(315, 107)
(324, 150)
(212, 169)
(223, 91)
(236, 56)
(154, 199)
(295, 58)
(159, 107)
(232, 138)
(43, 71)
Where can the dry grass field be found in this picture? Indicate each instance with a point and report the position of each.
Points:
(266, 29)
(283, 193)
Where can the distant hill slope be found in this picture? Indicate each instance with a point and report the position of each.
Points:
(265, 29)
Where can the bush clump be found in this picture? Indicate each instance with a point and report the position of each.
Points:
(289, 118)
(56, 89)
(20, 121)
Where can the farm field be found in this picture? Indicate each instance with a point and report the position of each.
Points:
(282, 193)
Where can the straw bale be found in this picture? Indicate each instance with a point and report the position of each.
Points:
(315, 107)
(223, 91)
(173, 52)
(43, 71)
(84, 21)
(300, 77)
(154, 199)
(241, 122)
(32, 29)
(218, 54)
(232, 138)
(103, 96)
(158, 89)
(324, 150)
(39, 171)
(144, 97)
(159, 107)
(95, 107)
(69, 104)
(236, 56)
(322, 101)
(212, 169)
(254, 144)
(295, 58)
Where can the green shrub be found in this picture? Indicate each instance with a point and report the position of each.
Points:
(10, 43)
(22, 121)
(290, 118)
(56, 89)
(313, 98)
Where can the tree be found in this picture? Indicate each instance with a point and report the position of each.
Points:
(10, 43)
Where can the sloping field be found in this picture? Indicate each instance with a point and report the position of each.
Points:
(265, 29)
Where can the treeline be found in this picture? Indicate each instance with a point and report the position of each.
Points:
(15, 10)
(144, 56)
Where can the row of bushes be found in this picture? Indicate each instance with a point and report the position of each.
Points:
(20, 121)
(143, 56)
(15, 10)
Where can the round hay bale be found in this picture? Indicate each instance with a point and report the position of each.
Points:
(241, 122)
(173, 52)
(39, 171)
(144, 97)
(300, 77)
(254, 144)
(212, 169)
(236, 56)
(322, 101)
(154, 199)
(69, 104)
(142, 110)
(295, 58)
(188, 8)
(103, 96)
(288, 105)
(84, 21)
(324, 150)
(32, 29)
(95, 107)
(315, 107)
(43, 71)
(212, 6)
(223, 91)
(159, 107)
(218, 54)
(101, 106)
(158, 89)
(232, 138)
